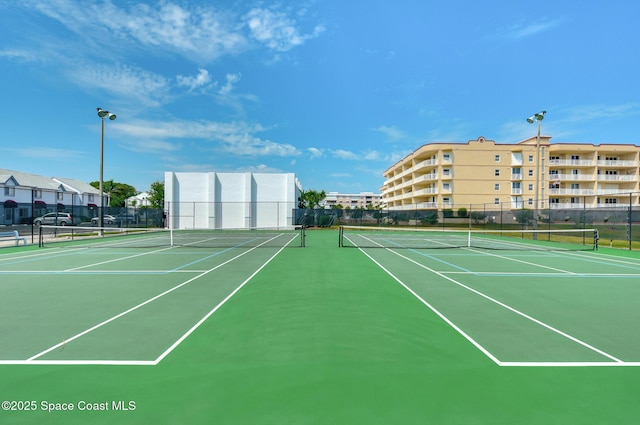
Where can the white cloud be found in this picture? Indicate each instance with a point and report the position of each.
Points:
(231, 80)
(363, 156)
(392, 133)
(342, 154)
(202, 33)
(524, 30)
(238, 138)
(127, 82)
(192, 83)
(596, 112)
(47, 153)
(315, 152)
(261, 168)
(276, 30)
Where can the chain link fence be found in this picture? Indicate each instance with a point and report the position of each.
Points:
(618, 225)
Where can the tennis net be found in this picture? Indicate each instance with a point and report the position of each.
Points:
(154, 237)
(419, 238)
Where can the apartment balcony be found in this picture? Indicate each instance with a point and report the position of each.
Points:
(615, 192)
(426, 178)
(572, 206)
(617, 177)
(516, 191)
(583, 192)
(427, 191)
(429, 163)
(617, 163)
(516, 176)
(574, 177)
(571, 162)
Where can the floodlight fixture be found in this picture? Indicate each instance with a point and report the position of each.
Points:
(533, 118)
(106, 114)
(536, 117)
(102, 114)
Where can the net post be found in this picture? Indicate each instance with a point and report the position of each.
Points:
(340, 234)
(596, 238)
(40, 238)
(469, 239)
(170, 223)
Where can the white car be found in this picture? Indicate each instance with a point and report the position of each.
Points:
(108, 219)
(56, 219)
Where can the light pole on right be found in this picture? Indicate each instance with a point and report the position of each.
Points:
(537, 118)
(102, 114)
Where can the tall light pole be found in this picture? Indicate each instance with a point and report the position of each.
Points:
(537, 118)
(102, 114)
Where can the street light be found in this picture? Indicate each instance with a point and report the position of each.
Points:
(102, 114)
(533, 118)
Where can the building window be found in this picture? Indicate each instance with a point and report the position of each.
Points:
(530, 201)
(496, 201)
(446, 172)
(37, 193)
(496, 186)
(530, 158)
(497, 158)
(446, 186)
(446, 157)
(610, 201)
(59, 196)
(9, 191)
(530, 173)
(496, 172)
(530, 186)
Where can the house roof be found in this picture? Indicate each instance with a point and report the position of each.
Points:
(45, 183)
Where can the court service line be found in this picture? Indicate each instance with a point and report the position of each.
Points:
(117, 259)
(522, 261)
(574, 339)
(513, 310)
(435, 310)
(609, 259)
(220, 304)
(142, 304)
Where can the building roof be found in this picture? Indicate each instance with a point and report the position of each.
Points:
(45, 183)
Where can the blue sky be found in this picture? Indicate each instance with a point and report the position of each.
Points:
(334, 91)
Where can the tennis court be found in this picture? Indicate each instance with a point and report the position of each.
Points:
(319, 327)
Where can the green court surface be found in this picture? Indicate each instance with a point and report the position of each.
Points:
(320, 334)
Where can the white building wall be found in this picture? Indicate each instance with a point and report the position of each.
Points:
(230, 200)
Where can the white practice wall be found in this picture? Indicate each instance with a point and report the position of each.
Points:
(231, 200)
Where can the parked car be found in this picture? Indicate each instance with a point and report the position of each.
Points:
(126, 218)
(108, 219)
(57, 219)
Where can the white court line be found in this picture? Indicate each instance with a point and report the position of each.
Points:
(80, 362)
(521, 261)
(518, 312)
(33, 359)
(117, 259)
(201, 321)
(432, 308)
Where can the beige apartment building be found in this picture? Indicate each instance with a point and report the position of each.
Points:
(352, 200)
(562, 175)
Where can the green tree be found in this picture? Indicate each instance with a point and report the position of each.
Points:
(116, 193)
(311, 199)
(156, 195)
